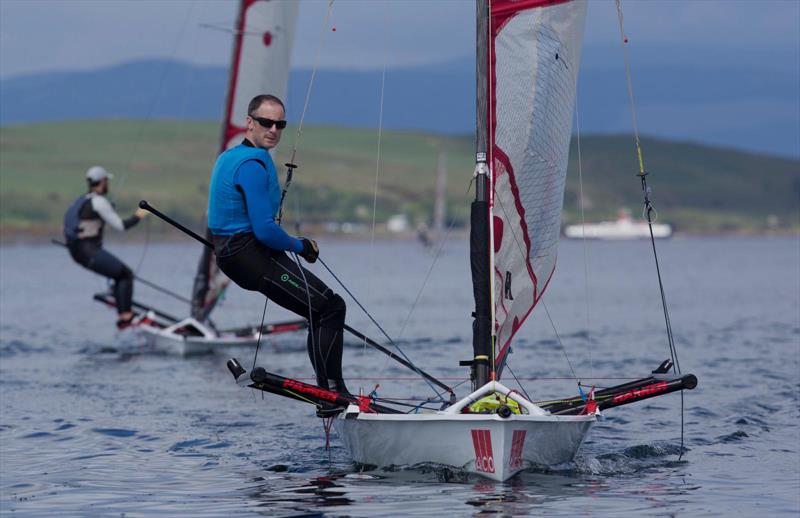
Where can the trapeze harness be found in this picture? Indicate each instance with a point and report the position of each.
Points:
(251, 247)
(83, 231)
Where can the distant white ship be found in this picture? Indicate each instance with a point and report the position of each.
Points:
(623, 228)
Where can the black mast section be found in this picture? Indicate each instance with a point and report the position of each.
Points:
(479, 215)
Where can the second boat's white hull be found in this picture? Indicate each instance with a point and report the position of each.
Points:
(485, 444)
(174, 344)
(171, 340)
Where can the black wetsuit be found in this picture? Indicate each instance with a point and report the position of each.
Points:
(85, 245)
(255, 267)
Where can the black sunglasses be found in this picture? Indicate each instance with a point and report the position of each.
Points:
(268, 123)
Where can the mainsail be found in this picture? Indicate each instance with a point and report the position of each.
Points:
(534, 54)
(262, 47)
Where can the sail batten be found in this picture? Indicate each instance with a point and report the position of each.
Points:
(534, 54)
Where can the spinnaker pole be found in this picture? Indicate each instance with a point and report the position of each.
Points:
(479, 213)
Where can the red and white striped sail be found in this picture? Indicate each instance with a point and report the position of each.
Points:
(260, 65)
(262, 48)
(534, 53)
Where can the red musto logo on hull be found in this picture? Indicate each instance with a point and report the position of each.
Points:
(517, 446)
(484, 458)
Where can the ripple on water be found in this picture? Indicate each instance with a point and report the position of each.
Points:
(115, 432)
(37, 435)
(737, 436)
(14, 347)
(189, 445)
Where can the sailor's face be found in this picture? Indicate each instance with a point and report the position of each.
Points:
(103, 188)
(265, 138)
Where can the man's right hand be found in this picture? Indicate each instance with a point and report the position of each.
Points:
(310, 250)
(141, 213)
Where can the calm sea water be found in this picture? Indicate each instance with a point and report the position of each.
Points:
(91, 424)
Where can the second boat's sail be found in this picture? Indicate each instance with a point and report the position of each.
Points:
(534, 53)
(262, 46)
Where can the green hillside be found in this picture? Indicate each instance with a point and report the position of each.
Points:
(697, 188)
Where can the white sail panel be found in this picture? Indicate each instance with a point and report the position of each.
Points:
(261, 59)
(534, 53)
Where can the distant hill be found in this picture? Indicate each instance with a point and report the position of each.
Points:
(700, 189)
(753, 105)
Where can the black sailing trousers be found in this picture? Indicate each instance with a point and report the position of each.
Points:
(255, 267)
(89, 254)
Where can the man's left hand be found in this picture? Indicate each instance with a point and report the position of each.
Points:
(310, 250)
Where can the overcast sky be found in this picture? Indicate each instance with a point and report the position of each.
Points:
(47, 35)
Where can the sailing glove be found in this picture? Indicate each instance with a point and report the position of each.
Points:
(310, 250)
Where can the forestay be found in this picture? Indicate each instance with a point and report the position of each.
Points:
(534, 53)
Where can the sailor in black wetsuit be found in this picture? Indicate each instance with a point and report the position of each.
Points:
(244, 198)
(83, 230)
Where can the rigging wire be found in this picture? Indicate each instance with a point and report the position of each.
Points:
(648, 207)
(323, 31)
(436, 256)
(378, 159)
(392, 342)
(260, 333)
(519, 383)
(583, 231)
(140, 133)
(435, 260)
(649, 210)
(558, 337)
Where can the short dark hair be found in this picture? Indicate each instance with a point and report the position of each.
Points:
(258, 100)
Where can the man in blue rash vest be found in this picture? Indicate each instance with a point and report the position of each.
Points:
(250, 246)
(83, 230)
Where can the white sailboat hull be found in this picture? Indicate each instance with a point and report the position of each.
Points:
(171, 340)
(484, 444)
(618, 230)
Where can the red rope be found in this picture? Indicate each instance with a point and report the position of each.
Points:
(327, 423)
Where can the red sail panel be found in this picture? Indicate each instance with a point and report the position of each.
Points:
(261, 59)
(534, 55)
